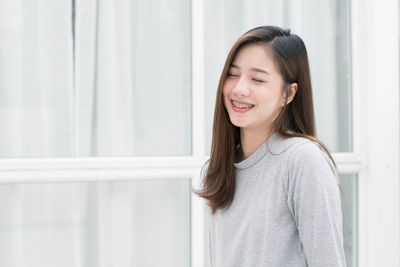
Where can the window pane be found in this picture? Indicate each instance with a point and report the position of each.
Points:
(129, 223)
(323, 26)
(110, 80)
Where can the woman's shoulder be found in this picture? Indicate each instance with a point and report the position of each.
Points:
(305, 153)
(307, 149)
(298, 149)
(282, 144)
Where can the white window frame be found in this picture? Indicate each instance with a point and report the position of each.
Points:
(375, 62)
(375, 56)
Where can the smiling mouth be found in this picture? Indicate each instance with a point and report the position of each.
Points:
(241, 106)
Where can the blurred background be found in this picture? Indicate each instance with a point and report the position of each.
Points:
(106, 111)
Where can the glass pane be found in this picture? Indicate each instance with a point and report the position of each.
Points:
(129, 223)
(349, 211)
(325, 29)
(87, 80)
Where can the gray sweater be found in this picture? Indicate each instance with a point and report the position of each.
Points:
(286, 210)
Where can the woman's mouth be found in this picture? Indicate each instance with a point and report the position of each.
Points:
(241, 108)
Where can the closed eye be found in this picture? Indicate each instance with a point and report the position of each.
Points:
(233, 75)
(259, 81)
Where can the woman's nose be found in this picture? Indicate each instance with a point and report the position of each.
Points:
(241, 87)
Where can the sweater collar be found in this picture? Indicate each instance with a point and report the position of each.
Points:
(258, 154)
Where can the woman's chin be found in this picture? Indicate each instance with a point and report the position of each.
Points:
(240, 123)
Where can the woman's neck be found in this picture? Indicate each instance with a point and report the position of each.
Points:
(252, 139)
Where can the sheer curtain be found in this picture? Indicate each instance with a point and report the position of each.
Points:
(36, 78)
(95, 78)
(133, 78)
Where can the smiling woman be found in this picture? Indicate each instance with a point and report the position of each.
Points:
(253, 96)
(271, 186)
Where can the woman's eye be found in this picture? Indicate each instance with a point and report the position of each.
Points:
(233, 75)
(259, 81)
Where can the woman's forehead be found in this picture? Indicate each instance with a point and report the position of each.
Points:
(253, 57)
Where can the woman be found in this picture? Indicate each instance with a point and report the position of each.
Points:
(271, 186)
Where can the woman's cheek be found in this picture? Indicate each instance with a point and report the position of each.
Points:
(229, 83)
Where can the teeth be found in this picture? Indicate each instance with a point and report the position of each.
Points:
(241, 105)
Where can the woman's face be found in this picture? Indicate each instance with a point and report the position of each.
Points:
(253, 80)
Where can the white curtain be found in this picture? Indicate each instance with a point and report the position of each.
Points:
(95, 78)
(133, 58)
(114, 81)
(141, 223)
(35, 78)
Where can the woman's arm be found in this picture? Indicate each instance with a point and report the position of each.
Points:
(314, 200)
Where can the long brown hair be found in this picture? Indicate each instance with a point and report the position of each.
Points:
(295, 119)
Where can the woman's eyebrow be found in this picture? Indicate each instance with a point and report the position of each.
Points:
(252, 69)
(259, 70)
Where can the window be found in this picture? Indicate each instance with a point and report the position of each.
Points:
(106, 111)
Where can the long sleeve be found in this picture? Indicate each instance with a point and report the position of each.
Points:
(314, 201)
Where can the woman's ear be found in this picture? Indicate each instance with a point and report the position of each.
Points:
(292, 92)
